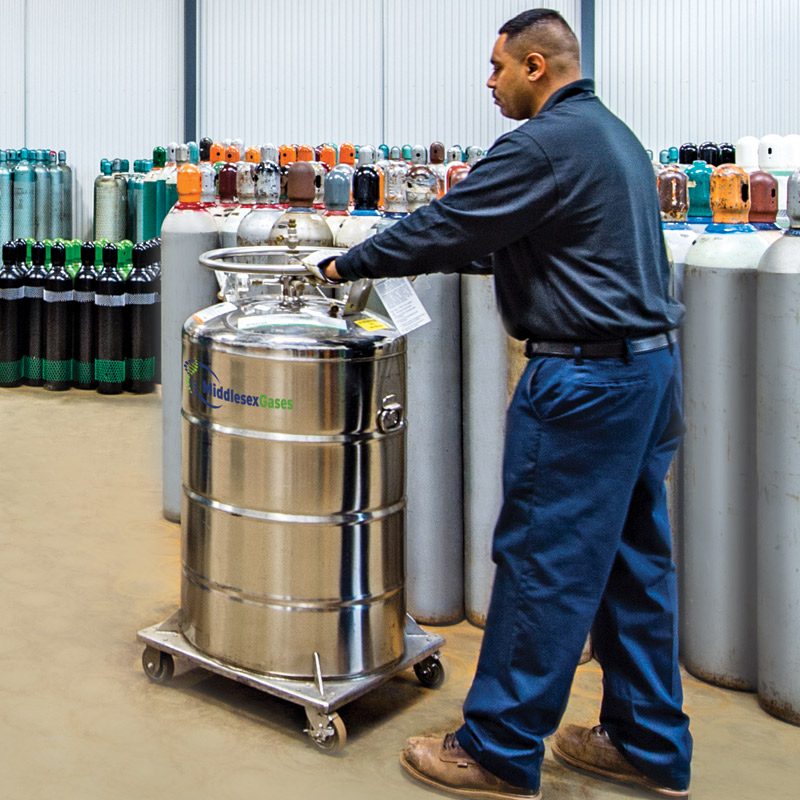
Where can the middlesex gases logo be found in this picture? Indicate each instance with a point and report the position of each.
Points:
(203, 383)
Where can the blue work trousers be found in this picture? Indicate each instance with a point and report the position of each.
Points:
(583, 543)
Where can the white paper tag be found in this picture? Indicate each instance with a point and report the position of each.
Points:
(212, 312)
(402, 304)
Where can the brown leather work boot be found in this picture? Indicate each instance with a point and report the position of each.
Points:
(444, 764)
(591, 750)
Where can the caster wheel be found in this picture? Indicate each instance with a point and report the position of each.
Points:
(158, 666)
(430, 672)
(327, 732)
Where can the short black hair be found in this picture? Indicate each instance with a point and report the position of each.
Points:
(543, 18)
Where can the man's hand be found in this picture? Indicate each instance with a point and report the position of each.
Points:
(330, 272)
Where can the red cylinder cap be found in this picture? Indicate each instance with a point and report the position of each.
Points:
(763, 197)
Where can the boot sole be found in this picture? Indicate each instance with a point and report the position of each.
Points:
(483, 794)
(621, 777)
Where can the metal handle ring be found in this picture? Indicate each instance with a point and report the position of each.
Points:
(216, 259)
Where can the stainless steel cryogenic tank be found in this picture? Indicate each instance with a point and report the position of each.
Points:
(293, 473)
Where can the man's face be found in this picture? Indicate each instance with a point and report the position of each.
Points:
(512, 89)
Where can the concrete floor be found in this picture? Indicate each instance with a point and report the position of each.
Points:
(86, 560)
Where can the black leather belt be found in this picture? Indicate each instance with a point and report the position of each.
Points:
(616, 348)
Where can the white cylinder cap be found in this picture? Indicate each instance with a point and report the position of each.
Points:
(747, 152)
(772, 152)
(269, 152)
(419, 154)
(366, 155)
(792, 145)
(793, 199)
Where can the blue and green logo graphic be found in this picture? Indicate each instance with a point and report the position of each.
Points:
(202, 382)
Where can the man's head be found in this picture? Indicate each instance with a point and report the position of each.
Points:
(536, 54)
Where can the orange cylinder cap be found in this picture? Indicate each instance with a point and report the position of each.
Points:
(347, 153)
(286, 155)
(730, 194)
(217, 153)
(252, 155)
(232, 155)
(190, 183)
(305, 153)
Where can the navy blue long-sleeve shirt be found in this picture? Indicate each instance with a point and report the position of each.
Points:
(566, 204)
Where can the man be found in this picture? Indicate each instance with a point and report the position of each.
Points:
(567, 205)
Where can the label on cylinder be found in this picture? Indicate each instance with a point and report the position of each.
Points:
(402, 304)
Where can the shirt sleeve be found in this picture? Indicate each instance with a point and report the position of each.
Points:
(503, 198)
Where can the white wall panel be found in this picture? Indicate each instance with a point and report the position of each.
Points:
(678, 70)
(12, 86)
(303, 71)
(105, 79)
(437, 64)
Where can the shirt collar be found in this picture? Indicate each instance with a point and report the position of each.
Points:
(585, 86)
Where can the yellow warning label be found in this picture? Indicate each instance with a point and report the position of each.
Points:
(371, 324)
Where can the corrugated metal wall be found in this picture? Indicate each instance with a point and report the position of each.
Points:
(290, 70)
(683, 70)
(437, 63)
(395, 71)
(102, 79)
(12, 86)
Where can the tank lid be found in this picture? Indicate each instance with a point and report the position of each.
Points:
(138, 256)
(730, 194)
(437, 153)
(763, 197)
(709, 152)
(105, 167)
(287, 154)
(9, 253)
(674, 155)
(327, 155)
(772, 152)
(159, 156)
(347, 153)
(190, 183)
(366, 188)
(305, 152)
(269, 152)
(205, 148)
(727, 153)
(110, 255)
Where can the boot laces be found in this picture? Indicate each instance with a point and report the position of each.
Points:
(450, 742)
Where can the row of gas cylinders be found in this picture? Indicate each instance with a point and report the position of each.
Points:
(73, 316)
(35, 194)
(133, 204)
(453, 474)
(734, 494)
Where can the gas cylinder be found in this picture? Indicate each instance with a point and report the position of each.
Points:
(159, 193)
(65, 222)
(673, 195)
(435, 539)
(719, 490)
(188, 231)
(226, 193)
(12, 317)
(140, 344)
(24, 197)
(300, 224)
(153, 266)
(437, 167)
(337, 198)
(56, 198)
(747, 153)
(764, 205)
(255, 227)
(6, 199)
(108, 221)
(135, 220)
(84, 341)
(699, 175)
(43, 199)
(773, 158)
(778, 461)
(34, 313)
(396, 174)
(208, 174)
(180, 155)
(365, 215)
(109, 301)
(58, 307)
(246, 195)
(456, 173)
